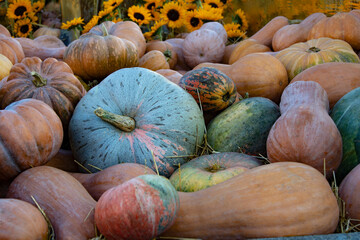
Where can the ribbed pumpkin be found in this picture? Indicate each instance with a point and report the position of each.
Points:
(95, 57)
(166, 48)
(31, 134)
(50, 81)
(4, 31)
(5, 66)
(154, 60)
(11, 49)
(47, 31)
(303, 55)
(136, 115)
(210, 87)
(32, 48)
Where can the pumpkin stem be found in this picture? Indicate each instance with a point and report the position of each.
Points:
(38, 80)
(106, 33)
(313, 49)
(167, 55)
(214, 168)
(124, 123)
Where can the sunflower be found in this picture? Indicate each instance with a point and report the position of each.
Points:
(155, 15)
(19, 9)
(152, 4)
(232, 26)
(240, 18)
(225, 2)
(191, 22)
(190, 6)
(105, 12)
(23, 27)
(37, 6)
(209, 13)
(93, 21)
(140, 15)
(32, 16)
(173, 13)
(214, 3)
(155, 28)
(72, 23)
(233, 30)
(115, 20)
(112, 3)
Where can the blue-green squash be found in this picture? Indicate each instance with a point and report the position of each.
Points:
(165, 122)
(346, 115)
(244, 126)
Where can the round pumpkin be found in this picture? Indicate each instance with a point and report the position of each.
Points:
(154, 60)
(47, 31)
(11, 49)
(95, 57)
(31, 134)
(50, 81)
(303, 55)
(5, 66)
(177, 44)
(166, 48)
(136, 115)
(216, 27)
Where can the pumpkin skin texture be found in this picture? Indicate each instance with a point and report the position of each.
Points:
(50, 81)
(140, 208)
(33, 48)
(11, 49)
(303, 55)
(154, 60)
(47, 31)
(4, 31)
(305, 132)
(164, 125)
(20, 220)
(243, 127)
(97, 183)
(95, 57)
(264, 197)
(166, 48)
(346, 115)
(177, 44)
(337, 78)
(172, 75)
(210, 87)
(246, 47)
(5, 66)
(218, 28)
(49, 41)
(208, 170)
(65, 201)
(31, 134)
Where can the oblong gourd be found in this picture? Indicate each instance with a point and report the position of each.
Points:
(246, 47)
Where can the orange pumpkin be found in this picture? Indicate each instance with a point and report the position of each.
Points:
(246, 47)
(4, 31)
(42, 48)
(11, 49)
(5, 66)
(166, 48)
(154, 60)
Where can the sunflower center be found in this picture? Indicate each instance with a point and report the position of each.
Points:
(213, 5)
(19, 11)
(151, 6)
(223, 1)
(139, 16)
(173, 15)
(194, 22)
(24, 29)
(114, 4)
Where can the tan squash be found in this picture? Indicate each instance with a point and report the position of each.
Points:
(218, 28)
(273, 200)
(246, 47)
(227, 53)
(171, 75)
(177, 44)
(336, 78)
(294, 33)
(49, 41)
(48, 31)
(154, 60)
(11, 49)
(266, 33)
(164, 47)
(4, 31)
(34, 49)
(256, 74)
(65, 201)
(5, 66)
(63, 160)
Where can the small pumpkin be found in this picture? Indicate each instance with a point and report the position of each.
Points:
(11, 49)
(216, 27)
(177, 44)
(246, 47)
(166, 48)
(154, 60)
(47, 31)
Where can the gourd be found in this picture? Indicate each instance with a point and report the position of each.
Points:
(47, 31)
(11, 49)
(32, 48)
(5, 66)
(166, 48)
(172, 75)
(4, 31)
(177, 44)
(246, 47)
(154, 60)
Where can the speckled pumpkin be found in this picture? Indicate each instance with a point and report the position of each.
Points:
(136, 115)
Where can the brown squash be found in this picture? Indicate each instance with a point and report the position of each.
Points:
(48, 31)
(154, 60)
(294, 33)
(97, 183)
(5, 66)
(256, 74)
(166, 48)
(65, 201)
(20, 220)
(266, 33)
(34, 49)
(63, 160)
(336, 78)
(11, 49)
(50, 81)
(260, 203)
(31, 133)
(246, 47)
(305, 132)
(4, 31)
(171, 75)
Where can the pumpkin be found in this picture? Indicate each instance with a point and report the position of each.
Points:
(346, 115)
(216, 27)
(47, 31)
(95, 57)
(5, 66)
(203, 45)
(126, 30)
(208, 170)
(31, 134)
(154, 60)
(305, 132)
(212, 89)
(65, 201)
(11, 49)
(266, 33)
(337, 78)
(49, 41)
(4, 31)
(343, 25)
(294, 33)
(21, 220)
(177, 44)
(246, 47)
(171, 75)
(227, 52)
(32, 48)
(141, 208)
(256, 75)
(63, 160)
(303, 55)
(243, 127)
(153, 120)
(98, 183)
(50, 81)
(166, 48)
(273, 200)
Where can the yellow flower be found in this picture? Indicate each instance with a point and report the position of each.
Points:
(214, 3)
(173, 13)
(191, 22)
(236, 34)
(19, 9)
(93, 21)
(226, 2)
(23, 27)
(115, 20)
(105, 12)
(240, 18)
(32, 16)
(157, 25)
(112, 3)
(155, 15)
(231, 26)
(209, 13)
(72, 23)
(140, 15)
(190, 6)
(152, 4)
(37, 6)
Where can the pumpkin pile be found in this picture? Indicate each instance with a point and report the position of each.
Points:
(116, 137)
